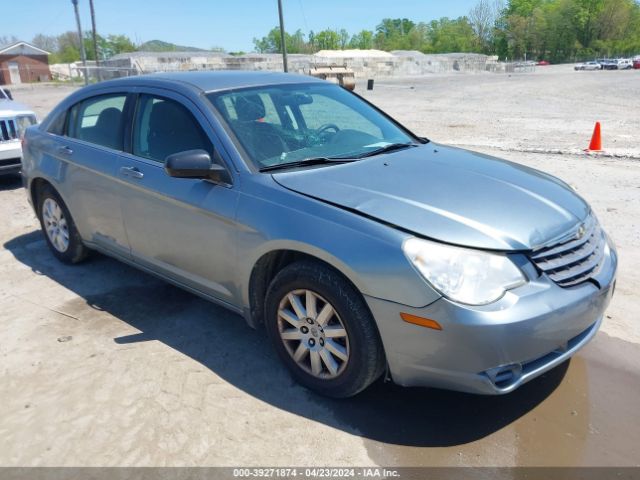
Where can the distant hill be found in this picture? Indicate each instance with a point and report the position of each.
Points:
(160, 46)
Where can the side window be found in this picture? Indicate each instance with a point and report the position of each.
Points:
(99, 120)
(325, 110)
(57, 126)
(163, 127)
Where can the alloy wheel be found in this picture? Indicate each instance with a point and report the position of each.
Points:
(55, 225)
(313, 334)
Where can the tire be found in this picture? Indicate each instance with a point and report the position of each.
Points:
(349, 331)
(59, 229)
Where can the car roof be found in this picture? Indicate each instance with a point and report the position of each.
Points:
(213, 81)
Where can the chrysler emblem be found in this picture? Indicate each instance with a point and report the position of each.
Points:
(580, 232)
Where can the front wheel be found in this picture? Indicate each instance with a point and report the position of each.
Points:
(322, 330)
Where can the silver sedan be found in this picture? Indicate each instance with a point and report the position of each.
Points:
(588, 66)
(362, 249)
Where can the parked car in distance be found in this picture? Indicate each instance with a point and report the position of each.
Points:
(14, 120)
(609, 64)
(360, 247)
(624, 63)
(588, 66)
(543, 63)
(636, 62)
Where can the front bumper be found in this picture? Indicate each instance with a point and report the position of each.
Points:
(495, 348)
(10, 155)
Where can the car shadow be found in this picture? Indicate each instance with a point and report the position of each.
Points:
(10, 182)
(222, 342)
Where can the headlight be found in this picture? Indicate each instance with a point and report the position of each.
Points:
(23, 122)
(467, 276)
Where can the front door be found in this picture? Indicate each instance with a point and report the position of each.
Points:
(182, 228)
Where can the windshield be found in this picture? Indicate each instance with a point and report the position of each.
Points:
(283, 124)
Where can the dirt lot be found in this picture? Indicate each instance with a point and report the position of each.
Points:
(104, 365)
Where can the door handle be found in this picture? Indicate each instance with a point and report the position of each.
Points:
(65, 150)
(132, 172)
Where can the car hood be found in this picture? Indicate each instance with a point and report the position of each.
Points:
(449, 194)
(10, 107)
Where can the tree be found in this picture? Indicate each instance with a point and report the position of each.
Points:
(391, 27)
(392, 33)
(483, 17)
(46, 42)
(8, 39)
(107, 47)
(68, 48)
(344, 38)
(269, 43)
(362, 40)
(272, 42)
(296, 43)
(327, 40)
(558, 30)
(120, 44)
(418, 38)
(448, 36)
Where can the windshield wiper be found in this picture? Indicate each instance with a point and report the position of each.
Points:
(387, 148)
(307, 162)
(325, 160)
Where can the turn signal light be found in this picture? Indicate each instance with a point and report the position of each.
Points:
(423, 322)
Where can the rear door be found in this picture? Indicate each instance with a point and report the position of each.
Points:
(88, 150)
(182, 228)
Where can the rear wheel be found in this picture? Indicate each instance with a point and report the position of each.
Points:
(59, 229)
(322, 330)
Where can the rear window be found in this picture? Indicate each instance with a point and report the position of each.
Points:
(99, 120)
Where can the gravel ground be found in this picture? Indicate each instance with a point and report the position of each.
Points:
(105, 365)
(551, 110)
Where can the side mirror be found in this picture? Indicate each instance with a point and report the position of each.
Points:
(195, 164)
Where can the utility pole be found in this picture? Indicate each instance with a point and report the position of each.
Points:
(282, 37)
(94, 33)
(83, 54)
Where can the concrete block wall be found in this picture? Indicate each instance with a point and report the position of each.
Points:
(397, 64)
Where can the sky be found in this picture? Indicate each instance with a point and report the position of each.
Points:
(231, 25)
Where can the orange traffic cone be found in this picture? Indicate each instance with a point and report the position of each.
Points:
(596, 140)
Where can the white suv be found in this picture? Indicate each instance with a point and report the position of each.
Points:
(14, 120)
(624, 64)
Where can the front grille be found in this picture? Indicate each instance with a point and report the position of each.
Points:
(10, 162)
(8, 130)
(574, 260)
